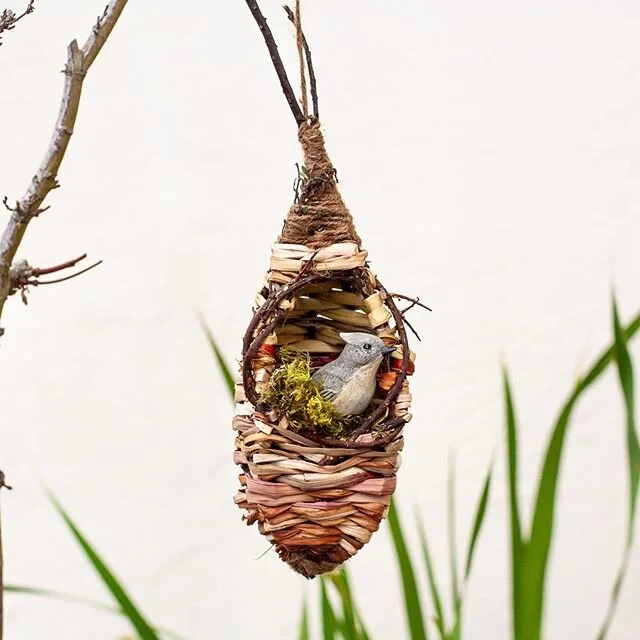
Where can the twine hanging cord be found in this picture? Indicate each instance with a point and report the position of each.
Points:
(307, 54)
(319, 217)
(300, 45)
(270, 315)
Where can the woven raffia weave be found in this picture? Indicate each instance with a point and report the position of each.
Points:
(319, 499)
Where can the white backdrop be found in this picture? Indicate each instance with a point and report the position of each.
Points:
(489, 152)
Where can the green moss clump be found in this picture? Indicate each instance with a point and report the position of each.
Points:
(293, 394)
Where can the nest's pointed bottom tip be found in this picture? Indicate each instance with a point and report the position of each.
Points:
(308, 567)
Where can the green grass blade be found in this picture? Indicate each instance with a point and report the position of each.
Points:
(364, 635)
(59, 595)
(353, 626)
(517, 546)
(85, 602)
(143, 628)
(478, 522)
(451, 528)
(625, 376)
(349, 629)
(539, 543)
(223, 365)
(330, 626)
(413, 608)
(542, 525)
(605, 358)
(303, 634)
(454, 634)
(440, 620)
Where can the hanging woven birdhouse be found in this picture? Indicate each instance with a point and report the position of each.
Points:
(323, 396)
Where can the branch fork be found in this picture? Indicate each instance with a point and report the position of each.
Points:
(22, 275)
(8, 19)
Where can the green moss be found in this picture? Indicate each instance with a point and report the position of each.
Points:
(293, 394)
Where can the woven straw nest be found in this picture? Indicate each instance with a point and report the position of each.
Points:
(318, 498)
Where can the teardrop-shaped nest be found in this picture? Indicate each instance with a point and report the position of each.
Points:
(318, 495)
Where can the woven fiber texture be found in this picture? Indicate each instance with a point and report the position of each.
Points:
(317, 496)
(319, 499)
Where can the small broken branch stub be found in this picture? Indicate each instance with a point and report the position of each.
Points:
(22, 275)
(8, 19)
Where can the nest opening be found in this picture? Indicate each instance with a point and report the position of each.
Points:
(296, 329)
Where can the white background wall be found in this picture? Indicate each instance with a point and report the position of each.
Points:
(489, 152)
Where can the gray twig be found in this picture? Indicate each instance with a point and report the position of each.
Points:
(79, 61)
(261, 21)
(22, 275)
(8, 19)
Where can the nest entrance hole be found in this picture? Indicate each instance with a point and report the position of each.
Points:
(307, 316)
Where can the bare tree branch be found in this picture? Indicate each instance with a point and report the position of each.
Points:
(276, 60)
(8, 19)
(78, 63)
(22, 274)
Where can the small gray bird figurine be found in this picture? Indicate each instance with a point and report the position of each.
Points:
(349, 382)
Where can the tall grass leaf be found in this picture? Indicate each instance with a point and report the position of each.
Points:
(542, 525)
(432, 579)
(59, 595)
(343, 577)
(139, 623)
(223, 365)
(413, 608)
(303, 634)
(330, 626)
(349, 626)
(362, 630)
(478, 522)
(361, 627)
(86, 602)
(625, 376)
(517, 550)
(353, 625)
(451, 528)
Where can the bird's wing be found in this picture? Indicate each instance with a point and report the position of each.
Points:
(329, 394)
(329, 384)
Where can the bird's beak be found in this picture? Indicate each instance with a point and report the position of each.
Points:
(387, 350)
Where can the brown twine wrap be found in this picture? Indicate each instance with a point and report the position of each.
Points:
(300, 45)
(319, 218)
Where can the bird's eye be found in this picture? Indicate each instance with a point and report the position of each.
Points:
(366, 346)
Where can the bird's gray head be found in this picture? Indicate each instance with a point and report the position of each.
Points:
(363, 348)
